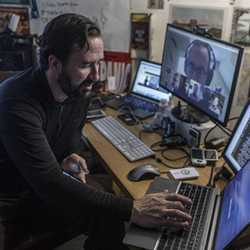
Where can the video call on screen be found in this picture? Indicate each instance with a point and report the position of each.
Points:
(199, 70)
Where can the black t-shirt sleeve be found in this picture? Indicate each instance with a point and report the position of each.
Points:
(26, 144)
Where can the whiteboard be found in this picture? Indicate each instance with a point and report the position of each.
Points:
(112, 17)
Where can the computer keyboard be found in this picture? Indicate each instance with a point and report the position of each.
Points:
(125, 141)
(189, 240)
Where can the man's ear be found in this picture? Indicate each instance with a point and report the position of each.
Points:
(55, 65)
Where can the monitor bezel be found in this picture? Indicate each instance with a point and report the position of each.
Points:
(232, 135)
(235, 77)
(146, 98)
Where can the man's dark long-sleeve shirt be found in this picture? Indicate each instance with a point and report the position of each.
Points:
(36, 133)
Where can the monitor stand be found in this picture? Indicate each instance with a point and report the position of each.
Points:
(189, 114)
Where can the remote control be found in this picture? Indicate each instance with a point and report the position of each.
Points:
(184, 173)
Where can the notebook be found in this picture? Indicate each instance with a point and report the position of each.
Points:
(145, 92)
(227, 216)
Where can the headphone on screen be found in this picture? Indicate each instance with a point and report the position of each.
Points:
(212, 59)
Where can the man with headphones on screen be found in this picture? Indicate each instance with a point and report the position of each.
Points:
(42, 112)
(200, 62)
(199, 66)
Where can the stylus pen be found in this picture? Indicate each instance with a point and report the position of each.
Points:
(72, 177)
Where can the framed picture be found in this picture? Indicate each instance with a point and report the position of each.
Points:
(241, 26)
(140, 31)
(155, 4)
(24, 2)
(23, 27)
(213, 19)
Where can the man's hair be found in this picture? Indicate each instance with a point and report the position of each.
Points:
(211, 59)
(64, 32)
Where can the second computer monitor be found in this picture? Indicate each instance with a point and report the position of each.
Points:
(237, 152)
(201, 71)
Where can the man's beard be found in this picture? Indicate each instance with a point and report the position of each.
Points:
(74, 90)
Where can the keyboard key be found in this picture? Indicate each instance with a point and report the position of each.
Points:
(190, 239)
(126, 142)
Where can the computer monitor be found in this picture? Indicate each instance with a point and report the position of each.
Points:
(146, 82)
(201, 71)
(237, 151)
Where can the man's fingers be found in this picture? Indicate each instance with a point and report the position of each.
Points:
(170, 223)
(176, 215)
(82, 177)
(174, 224)
(177, 197)
(177, 205)
(83, 166)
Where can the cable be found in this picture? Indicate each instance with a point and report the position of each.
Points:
(234, 118)
(225, 130)
(171, 166)
(159, 160)
(160, 148)
(175, 159)
(177, 140)
(210, 181)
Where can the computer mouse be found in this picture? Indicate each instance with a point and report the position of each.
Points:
(143, 172)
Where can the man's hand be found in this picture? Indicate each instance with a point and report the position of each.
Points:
(76, 165)
(160, 210)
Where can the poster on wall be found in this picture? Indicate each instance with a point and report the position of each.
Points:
(25, 2)
(23, 27)
(140, 31)
(209, 18)
(241, 26)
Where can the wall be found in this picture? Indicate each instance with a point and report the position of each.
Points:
(111, 15)
(159, 18)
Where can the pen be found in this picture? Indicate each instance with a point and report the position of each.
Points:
(72, 177)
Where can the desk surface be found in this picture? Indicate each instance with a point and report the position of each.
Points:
(118, 166)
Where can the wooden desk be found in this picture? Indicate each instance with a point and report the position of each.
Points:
(118, 166)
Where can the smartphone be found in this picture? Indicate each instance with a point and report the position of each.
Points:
(198, 157)
(211, 155)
